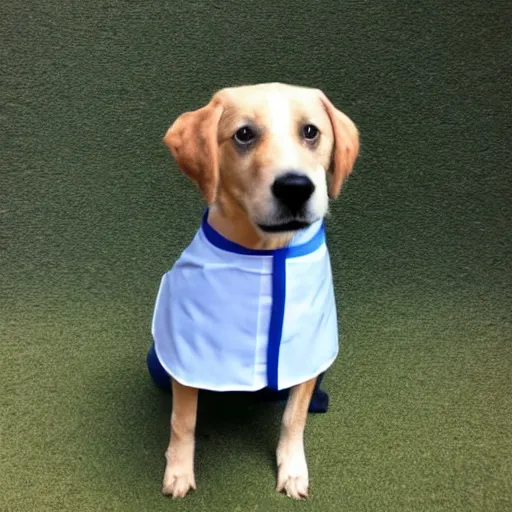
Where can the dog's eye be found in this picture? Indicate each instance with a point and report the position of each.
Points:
(310, 132)
(244, 135)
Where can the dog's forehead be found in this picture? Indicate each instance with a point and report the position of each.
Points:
(264, 102)
(254, 93)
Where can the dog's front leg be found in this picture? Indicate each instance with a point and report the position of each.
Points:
(292, 469)
(179, 471)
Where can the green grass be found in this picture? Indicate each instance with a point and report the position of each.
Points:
(93, 211)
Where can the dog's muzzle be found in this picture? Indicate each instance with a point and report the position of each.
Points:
(292, 191)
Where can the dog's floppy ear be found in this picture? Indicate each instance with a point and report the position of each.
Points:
(192, 140)
(346, 146)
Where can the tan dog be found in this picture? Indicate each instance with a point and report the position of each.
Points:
(251, 150)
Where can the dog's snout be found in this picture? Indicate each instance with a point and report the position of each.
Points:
(293, 189)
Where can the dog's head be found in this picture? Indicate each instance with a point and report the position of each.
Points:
(277, 151)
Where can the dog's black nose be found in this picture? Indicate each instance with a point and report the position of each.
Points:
(293, 190)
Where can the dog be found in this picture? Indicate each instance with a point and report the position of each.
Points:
(266, 158)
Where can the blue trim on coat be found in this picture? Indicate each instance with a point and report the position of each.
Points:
(275, 329)
(293, 251)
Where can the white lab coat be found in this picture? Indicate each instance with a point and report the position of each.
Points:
(228, 318)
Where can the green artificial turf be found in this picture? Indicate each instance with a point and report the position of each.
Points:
(93, 211)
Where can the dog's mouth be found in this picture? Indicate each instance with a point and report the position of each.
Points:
(293, 225)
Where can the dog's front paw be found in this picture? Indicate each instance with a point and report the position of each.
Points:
(178, 482)
(292, 473)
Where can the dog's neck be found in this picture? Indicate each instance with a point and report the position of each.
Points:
(232, 222)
